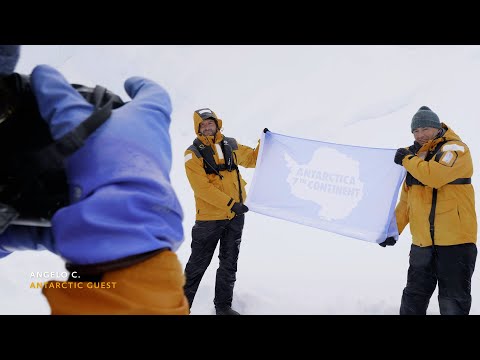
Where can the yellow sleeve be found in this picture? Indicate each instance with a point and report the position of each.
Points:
(200, 184)
(453, 161)
(246, 156)
(401, 211)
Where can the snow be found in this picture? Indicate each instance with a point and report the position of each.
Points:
(358, 95)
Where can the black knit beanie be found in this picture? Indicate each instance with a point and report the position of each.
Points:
(425, 117)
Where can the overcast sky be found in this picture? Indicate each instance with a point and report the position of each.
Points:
(357, 95)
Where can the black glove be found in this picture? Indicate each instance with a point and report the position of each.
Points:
(400, 154)
(390, 241)
(416, 146)
(239, 208)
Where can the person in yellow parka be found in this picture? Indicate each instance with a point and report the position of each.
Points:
(438, 201)
(211, 164)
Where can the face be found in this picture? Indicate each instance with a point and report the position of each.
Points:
(208, 127)
(425, 134)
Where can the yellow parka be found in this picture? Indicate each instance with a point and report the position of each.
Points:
(455, 219)
(215, 195)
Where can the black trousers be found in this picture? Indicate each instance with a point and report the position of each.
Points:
(452, 267)
(205, 237)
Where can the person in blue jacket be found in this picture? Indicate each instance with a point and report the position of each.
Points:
(119, 233)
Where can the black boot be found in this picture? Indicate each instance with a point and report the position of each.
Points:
(226, 311)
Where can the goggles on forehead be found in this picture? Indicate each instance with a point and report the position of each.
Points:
(206, 113)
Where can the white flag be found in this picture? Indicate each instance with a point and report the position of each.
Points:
(348, 190)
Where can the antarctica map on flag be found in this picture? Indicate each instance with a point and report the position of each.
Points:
(345, 189)
(341, 192)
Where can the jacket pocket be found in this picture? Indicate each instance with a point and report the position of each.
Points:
(447, 219)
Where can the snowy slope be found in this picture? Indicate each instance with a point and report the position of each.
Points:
(360, 95)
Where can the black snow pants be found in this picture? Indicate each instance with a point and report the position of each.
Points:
(452, 267)
(205, 237)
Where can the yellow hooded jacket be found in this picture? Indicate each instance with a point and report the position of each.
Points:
(215, 196)
(455, 218)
